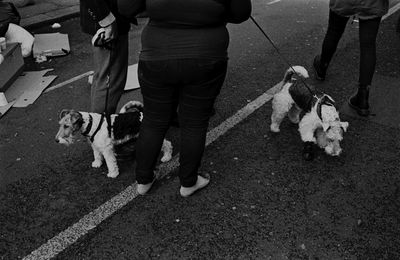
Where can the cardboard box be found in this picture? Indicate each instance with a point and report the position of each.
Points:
(51, 45)
(12, 66)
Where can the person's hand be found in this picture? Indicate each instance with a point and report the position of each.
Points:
(110, 32)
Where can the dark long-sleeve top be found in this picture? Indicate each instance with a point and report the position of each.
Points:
(179, 29)
(95, 12)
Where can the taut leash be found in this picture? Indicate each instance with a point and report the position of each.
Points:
(98, 41)
(279, 53)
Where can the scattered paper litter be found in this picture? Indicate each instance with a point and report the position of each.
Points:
(51, 44)
(56, 26)
(90, 79)
(132, 81)
(40, 58)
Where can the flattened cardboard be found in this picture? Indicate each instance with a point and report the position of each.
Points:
(28, 87)
(132, 81)
(4, 109)
(51, 45)
(12, 66)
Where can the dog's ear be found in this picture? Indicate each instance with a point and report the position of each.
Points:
(76, 119)
(63, 113)
(327, 100)
(344, 125)
(325, 126)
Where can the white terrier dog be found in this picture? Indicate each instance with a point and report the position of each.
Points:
(103, 136)
(320, 124)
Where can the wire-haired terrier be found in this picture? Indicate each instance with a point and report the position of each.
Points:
(320, 124)
(104, 133)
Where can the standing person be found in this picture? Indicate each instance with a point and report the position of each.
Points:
(111, 60)
(370, 13)
(183, 63)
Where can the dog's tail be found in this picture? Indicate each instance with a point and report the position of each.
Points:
(131, 106)
(299, 70)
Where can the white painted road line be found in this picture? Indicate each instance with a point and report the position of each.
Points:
(69, 236)
(274, 2)
(90, 221)
(392, 10)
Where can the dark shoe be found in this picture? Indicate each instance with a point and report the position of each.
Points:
(319, 69)
(308, 151)
(359, 101)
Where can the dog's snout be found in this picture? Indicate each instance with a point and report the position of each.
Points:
(57, 141)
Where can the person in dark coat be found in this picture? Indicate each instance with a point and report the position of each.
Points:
(369, 13)
(182, 63)
(111, 60)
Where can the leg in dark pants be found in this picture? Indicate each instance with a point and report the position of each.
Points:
(197, 97)
(193, 85)
(367, 33)
(160, 94)
(109, 65)
(336, 27)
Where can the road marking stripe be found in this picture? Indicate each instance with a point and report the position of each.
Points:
(392, 10)
(273, 2)
(90, 221)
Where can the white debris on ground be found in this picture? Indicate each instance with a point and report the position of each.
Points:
(56, 26)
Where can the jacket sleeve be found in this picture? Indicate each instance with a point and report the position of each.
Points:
(97, 9)
(238, 11)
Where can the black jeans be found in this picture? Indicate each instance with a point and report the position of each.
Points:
(190, 84)
(368, 31)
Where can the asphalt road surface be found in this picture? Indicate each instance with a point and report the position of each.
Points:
(263, 202)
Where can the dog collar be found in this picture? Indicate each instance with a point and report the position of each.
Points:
(325, 100)
(89, 126)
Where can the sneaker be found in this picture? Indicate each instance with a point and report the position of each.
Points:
(142, 189)
(319, 70)
(200, 183)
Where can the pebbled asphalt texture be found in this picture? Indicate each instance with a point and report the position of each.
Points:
(264, 201)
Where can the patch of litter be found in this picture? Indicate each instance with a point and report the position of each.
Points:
(56, 26)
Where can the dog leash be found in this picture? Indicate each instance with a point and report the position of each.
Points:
(279, 53)
(99, 42)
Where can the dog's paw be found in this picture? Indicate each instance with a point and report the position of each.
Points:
(275, 128)
(308, 151)
(295, 120)
(112, 174)
(96, 163)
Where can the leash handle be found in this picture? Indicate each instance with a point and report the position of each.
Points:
(277, 50)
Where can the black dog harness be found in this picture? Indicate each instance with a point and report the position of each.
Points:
(90, 124)
(306, 99)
